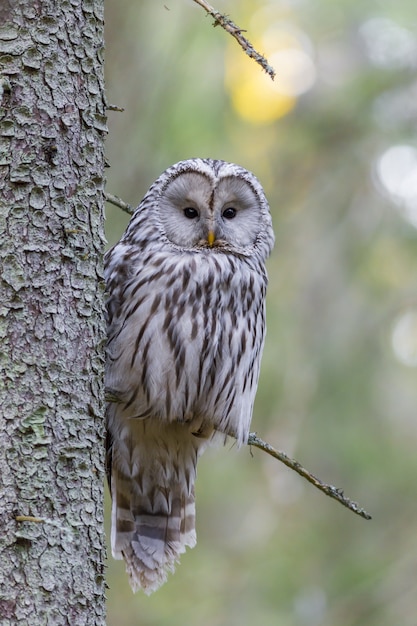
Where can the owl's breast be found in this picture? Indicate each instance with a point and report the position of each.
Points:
(189, 341)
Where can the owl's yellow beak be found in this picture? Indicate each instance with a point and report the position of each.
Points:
(211, 237)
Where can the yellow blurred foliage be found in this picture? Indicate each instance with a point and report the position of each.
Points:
(255, 97)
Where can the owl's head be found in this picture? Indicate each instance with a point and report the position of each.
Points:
(211, 205)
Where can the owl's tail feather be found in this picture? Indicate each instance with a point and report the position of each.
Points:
(153, 509)
(156, 545)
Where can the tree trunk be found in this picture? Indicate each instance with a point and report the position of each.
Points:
(52, 124)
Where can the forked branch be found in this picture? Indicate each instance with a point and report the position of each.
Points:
(222, 20)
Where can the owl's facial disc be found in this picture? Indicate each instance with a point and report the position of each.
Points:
(197, 211)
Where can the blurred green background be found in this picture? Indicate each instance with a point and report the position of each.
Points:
(334, 143)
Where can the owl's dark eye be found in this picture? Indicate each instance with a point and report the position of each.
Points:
(229, 213)
(190, 212)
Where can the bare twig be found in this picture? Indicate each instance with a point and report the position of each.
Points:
(114, 107)
(119, 203)
(236, 32)
(329, 490)
(29, 518)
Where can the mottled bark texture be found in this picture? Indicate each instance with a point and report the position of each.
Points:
(52, 126)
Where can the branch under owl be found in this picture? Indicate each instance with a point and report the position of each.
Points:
(329, 490)
(254, 440)
(222, 20)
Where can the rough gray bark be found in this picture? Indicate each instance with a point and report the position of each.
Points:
(52, 124)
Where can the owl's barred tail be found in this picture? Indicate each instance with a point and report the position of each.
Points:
(153, 510)
(156, 545)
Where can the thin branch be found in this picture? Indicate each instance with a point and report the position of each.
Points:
(115, 107)
(236, 32)
(254, 440)
(29, 518)
(109, 197)
(329, 490)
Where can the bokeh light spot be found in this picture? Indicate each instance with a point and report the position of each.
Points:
(404, 338)
(388, 44)
(397, 174)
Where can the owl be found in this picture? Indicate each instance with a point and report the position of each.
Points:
(186, 327)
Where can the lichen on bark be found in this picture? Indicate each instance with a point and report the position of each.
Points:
(52, 127)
